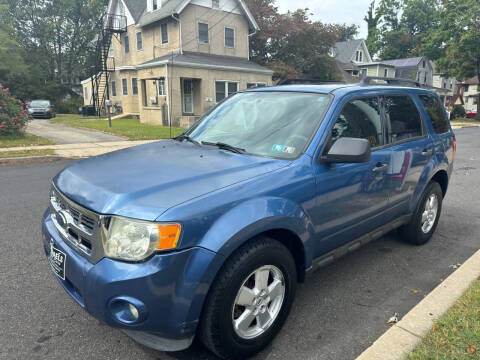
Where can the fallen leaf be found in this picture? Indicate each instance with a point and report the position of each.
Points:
(393, 319)
(415, 291)
(435, 327)
(471, 350)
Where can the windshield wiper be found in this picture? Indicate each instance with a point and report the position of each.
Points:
(188, 138)
(226, 147)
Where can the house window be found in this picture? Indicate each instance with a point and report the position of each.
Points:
(134, 86)
(359, 56)
(114, 88)
(139, 41)
(164, 30)
(215, 4)
(124, 87)
(86, 93)
(154, 5)
(161, 87)
(355, 73)
(203, 33)
(229, 37)
(224, 89)
(364, 72)
(451, 84)
(127, 45)
(423, 64)
(188, 96)
(255, 85)
(385, 73)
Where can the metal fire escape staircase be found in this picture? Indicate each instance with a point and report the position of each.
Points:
(111, 25)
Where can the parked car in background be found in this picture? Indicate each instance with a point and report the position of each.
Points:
(208, 234)
(42, 109)
(471, 114)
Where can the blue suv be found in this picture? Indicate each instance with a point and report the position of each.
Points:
(208, 234)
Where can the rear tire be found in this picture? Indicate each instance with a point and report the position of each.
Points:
(235, 331)
(425, 219)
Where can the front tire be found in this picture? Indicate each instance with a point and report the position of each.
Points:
(425, 220)
(250, 299)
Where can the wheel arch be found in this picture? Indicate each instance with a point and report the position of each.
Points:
(441, 177)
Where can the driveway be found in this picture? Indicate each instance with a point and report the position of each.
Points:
(61, 134)
(337, 314)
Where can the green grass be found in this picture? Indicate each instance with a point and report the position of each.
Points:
(460, 121)
(25, 153)
(130, 128)
(456, 335)
(23, 139)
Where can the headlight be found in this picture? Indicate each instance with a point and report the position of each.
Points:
(135, 240)
(30, 111)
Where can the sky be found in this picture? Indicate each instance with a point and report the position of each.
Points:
(332, 11)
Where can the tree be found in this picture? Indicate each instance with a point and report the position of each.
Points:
(293, 45)
(346, 32)
(55, 39)
(455, 43)
(372, 18)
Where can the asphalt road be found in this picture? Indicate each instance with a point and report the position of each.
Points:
(338, 312)
(61, 134)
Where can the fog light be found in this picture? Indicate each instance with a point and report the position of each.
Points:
(127, 310)
(133, 310)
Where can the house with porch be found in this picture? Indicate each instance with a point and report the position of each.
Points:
(471, 93)
(173, 60)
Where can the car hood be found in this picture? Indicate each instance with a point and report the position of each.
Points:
(144, 181)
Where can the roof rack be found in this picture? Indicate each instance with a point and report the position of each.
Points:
(391, 81)
(309, 81)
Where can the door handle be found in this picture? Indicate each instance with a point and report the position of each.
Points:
(380, 168)
(427, 152)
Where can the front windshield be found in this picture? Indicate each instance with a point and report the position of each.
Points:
(276, 124)
(40, 103)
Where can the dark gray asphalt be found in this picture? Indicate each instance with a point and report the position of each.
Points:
(338, 312)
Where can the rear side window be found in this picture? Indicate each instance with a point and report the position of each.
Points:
(436, 113)
(360, 119)
(403, 119)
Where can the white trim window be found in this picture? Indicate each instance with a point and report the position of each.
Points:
(134, 86)
(187, 95)
(154, 5)
(385, 73)
(359, 56)
(114, 88)
(229, 37)
(164, 32)
(203, 37)
(161, 87)
(124, 86)
(139, 41)
(224, 89)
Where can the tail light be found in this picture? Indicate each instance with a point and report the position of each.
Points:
(454, 145)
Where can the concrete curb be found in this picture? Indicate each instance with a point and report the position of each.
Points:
(402, 338)
(30, 159)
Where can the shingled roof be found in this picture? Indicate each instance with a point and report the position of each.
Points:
(199, 60)
(136, 8)
(344, 50)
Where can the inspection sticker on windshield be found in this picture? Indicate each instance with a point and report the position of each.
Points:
(283, 149)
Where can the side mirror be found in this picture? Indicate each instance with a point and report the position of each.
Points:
(349, 150)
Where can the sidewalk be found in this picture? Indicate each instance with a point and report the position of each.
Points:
(82, 150)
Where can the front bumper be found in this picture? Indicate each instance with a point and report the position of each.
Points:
(171, 286)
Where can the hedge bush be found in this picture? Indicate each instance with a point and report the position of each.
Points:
(13, 117)
(458, 112)
(70, 106)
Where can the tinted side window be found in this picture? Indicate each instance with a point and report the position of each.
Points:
(403, 118)
(436, 113)
(360, 119)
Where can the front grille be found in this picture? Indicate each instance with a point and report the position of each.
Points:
(80, 227)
